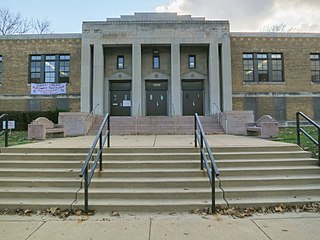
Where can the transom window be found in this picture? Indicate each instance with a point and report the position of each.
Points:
(315, 67)
(49, 69)
(192, 61)
(0, 69)
(156, 62)
(262, 67)
(120, 62)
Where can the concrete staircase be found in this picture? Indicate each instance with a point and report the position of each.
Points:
(157, 125)
(157, 179)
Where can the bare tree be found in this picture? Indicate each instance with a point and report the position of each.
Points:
(41, 26)
(282, 27)
(14, 23)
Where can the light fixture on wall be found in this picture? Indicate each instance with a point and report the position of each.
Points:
(155, 51)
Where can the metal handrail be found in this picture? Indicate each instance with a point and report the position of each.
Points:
(91, 113)
(6, 130)
(301, 130)
(221, 114)
(200, 137)
(89, 166)
(86, 128)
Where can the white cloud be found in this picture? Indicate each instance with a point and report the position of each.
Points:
(252, 15)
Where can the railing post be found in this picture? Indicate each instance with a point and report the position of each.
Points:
(86, 193)
(100, 150)
(201, 148)
(213, 190)
(195, 131)
(108, 129)
(298, 128)
(6, 132)
(319, 145)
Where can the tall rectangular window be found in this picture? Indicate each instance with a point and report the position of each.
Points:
(262, 67)
(0, 69)
(120, 62)
(192, 61)
(248, 68)
(315, 67)
(49, 68)
(64, 68)
(156, 62)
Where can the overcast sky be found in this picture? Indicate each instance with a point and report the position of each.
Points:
(244, 15)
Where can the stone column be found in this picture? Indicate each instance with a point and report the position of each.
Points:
(214, 82)
(85, 78)
(98, 81)
(136, 107)
(226, 73)
(176, 105)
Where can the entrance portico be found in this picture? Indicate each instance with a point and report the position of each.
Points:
(149, 48)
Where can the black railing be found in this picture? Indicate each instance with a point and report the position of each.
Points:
(4, 117)
(200, 137)
(301, 130)
(89, 166)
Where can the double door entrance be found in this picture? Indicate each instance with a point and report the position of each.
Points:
(192, 97)
(156, 98)
(120, 98)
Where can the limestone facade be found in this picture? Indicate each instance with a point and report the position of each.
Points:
(167, 60)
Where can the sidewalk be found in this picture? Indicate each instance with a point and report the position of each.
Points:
(288, 226)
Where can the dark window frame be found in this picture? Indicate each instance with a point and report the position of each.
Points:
(47, 68)
(154, 66)
(1, 68)
(120, 65)
(194, 62)
(263, 67)
(315, 67)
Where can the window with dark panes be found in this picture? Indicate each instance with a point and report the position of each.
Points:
(262, 67)
(156, 62)
(0, 69)
(49, 68)
(248, 67)
(64, 68)
(315, 67)
(120, 62)
(192, 61)
(262, 60)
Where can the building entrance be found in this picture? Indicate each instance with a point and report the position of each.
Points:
(120, 98)
(156, 98)
(192, 97)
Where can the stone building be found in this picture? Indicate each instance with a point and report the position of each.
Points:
(152, 64)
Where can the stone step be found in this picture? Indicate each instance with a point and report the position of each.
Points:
(38, 193)
(272, 191)
(151, 182)
(24, 150)
(228, 149)
(30, 182)
(150, 193)
(273, 180)
(155, 173)
(269, 171)
(39, 172)
(148, 205)
(271, 201)
(43, 156)
(36, 203)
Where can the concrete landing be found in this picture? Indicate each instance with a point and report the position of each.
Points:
(155, 141)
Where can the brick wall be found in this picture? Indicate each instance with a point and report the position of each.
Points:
(297, 88)
(15, 51)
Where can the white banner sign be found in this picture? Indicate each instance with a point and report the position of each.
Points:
(48, 88)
